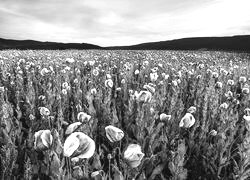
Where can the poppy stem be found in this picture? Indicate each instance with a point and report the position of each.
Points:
(109, 170)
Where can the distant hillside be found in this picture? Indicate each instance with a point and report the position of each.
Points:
(36, 45)
(234, 43)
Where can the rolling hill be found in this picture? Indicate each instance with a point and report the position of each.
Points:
(230, 43)
(36, 45)
(234, 43)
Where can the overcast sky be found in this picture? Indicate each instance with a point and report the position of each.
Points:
(122, 22)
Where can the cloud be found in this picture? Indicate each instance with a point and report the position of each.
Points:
(113, 22)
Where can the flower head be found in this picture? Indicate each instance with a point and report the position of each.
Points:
(229, 94)
(72, 127)
(149, 87)
(242, 79)
(192, 109)
(43, 140)
(113, 133)
(215, 75)
(64, 92)
(137, 72)
(83, 117)
(165, 117)
(218, 85)
(245, 90)
(213, 133)
(224, 105)
(44, 71)
(175, 83)
(144, 96)
(78, 146)
(44, 111)
(133, 155)
(187, 121)
(93, 91)
(70, 60)
(246, 117)
(95, 72)
(123, 81)
(109, 83)
(153, 76)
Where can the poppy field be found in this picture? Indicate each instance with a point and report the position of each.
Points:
(124, 115)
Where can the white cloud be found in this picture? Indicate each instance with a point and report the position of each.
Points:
(112, 22)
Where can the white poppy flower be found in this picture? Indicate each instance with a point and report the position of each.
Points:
(137, 71)
(79, 146)
(43, 140)
(153, 76)
(149, 88)
(113, 133)
(70, 60)
(109, 83)
(133, 155)
(143, 96)
(44, 111)
(83, 117)
(187, 121)
(72, 127)
(165, 117)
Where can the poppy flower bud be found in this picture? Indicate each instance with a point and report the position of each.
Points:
(43, 140)
(113, 133)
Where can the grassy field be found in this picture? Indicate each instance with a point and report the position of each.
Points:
(124, 115)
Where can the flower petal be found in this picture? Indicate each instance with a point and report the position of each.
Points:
(70, 145)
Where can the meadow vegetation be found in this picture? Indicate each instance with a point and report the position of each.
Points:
(103, 115)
